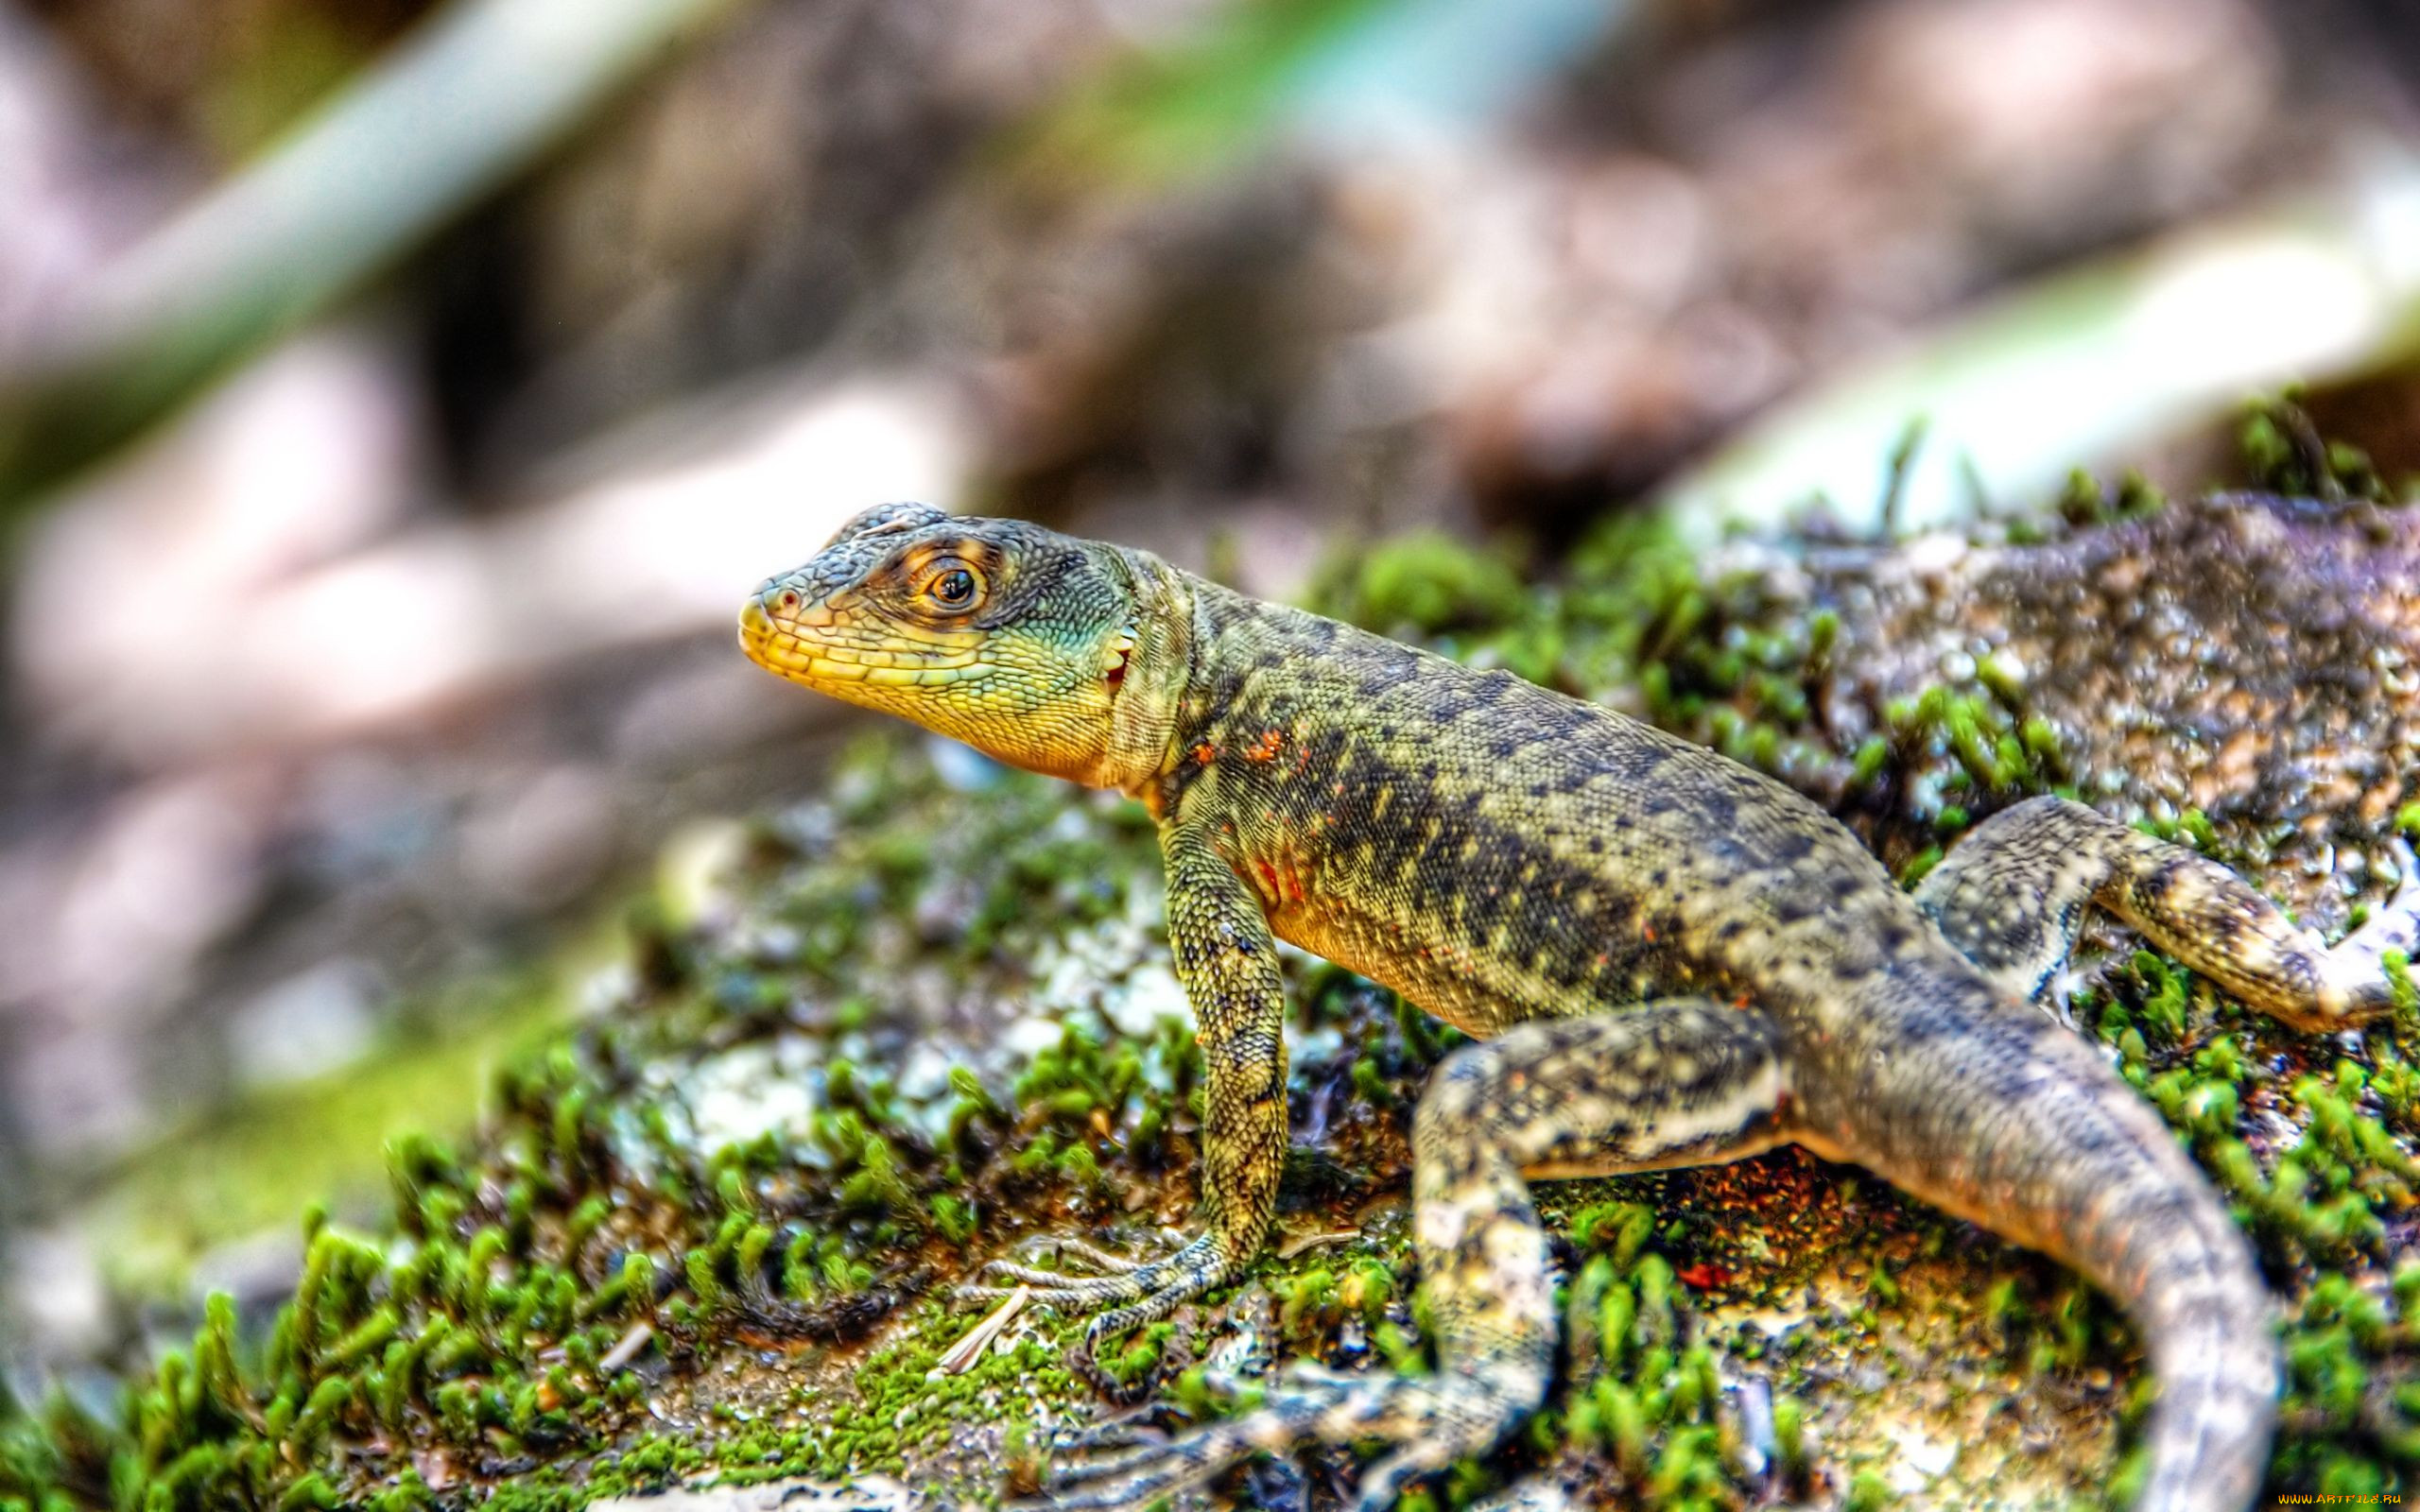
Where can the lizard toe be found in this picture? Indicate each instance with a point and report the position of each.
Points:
(1138, 1476)
(1141, 1427)
(1045, 1281)
(1071, 1248)
(1145, 1471)
(1430, 1423)
(1141, 1292)
(1112, 1464)
(1383, 1484)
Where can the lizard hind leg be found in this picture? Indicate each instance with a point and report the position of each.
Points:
(2012, 898)
(1672, 1083)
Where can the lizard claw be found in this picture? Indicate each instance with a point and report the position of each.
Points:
(1125, 1431)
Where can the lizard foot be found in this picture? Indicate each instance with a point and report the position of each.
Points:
(1135, 1291)
(1139, 1292)
(1432, 1420)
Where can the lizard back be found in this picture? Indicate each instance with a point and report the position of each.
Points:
(1498, 851)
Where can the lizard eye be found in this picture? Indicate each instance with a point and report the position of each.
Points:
(952, 587)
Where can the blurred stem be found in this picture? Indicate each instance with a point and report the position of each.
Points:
(468, 100)
(1162, 116)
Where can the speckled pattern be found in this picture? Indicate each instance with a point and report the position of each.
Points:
(2186, 645)
(1668, 958)
(2249, 656)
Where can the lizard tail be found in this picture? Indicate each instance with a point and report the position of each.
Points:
(2022, 1127)
(2206, 1319)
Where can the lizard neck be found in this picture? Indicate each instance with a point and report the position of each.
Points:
(1143, 722)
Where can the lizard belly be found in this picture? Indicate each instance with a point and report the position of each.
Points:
(1451, 973)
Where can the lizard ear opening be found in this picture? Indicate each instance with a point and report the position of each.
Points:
(1124, 650)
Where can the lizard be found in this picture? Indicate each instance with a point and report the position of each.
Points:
(1662, 958)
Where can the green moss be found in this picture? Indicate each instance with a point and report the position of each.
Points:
(253, 1166)
(2282, 452)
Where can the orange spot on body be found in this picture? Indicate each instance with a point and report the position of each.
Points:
(1281, 881)
(1702, 1276)
(1648, 930)
(1266, 748)
(1206, 753)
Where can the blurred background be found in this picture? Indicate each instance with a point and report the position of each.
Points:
(396, 399)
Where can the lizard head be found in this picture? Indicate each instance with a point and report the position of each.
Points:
(1055, 654)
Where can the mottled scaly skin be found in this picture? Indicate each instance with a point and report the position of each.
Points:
(1667, 959)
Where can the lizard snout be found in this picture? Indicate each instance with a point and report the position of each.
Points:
(778, 607)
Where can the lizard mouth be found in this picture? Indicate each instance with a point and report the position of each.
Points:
(810, 642)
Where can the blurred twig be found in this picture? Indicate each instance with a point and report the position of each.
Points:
(479, 91)
(2088, 360)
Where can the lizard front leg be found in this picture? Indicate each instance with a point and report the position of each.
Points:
(1681, 1082)
(1227, 961)
(2012, 898)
